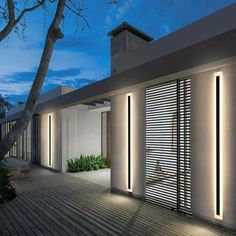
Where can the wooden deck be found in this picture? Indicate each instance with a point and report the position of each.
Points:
(58, 204)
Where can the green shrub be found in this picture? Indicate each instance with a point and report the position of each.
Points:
(7, 192)
(73, 165)
(86, 163)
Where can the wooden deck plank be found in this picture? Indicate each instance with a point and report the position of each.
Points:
(18, 219)
(3, 228)
(47, 225)
(76, 207)
(70, 216)
(53, 213)
(38, 223)
(95, 207)
(59, 204)
(10, 222)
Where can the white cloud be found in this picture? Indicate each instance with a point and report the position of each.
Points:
(166, 28)
(12, 87)
(123, 9)
(90, 66)
(22, 60)
(88, 75)
(108, 20)
(16, 56)
(116, 13)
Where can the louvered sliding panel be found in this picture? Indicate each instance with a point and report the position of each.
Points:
(161, 144)
(184, 145)
(168, 172)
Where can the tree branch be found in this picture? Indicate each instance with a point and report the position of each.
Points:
(12, 22)
(78, 13)
(11, 19)
(26, 10)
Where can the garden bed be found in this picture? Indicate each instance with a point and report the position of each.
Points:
(86, 163)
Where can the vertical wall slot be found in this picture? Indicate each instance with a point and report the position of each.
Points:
(129, 142)
(218, 184)
(50, 140)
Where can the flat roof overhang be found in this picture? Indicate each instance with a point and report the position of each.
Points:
(203, 55)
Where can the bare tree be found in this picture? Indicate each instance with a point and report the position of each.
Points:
(54, 33)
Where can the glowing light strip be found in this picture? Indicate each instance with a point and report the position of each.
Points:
(50, 140)
(219, 163)
(129, 140)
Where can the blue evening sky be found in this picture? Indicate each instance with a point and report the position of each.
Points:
(82, 57)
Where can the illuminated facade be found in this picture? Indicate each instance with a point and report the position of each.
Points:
(165, 118)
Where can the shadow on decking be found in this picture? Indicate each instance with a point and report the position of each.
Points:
(51, 203)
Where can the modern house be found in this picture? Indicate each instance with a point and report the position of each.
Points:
(165, 118)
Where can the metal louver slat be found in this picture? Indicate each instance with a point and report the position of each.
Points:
(168, 145)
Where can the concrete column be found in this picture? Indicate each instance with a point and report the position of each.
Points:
(119, 143)
(204, 145)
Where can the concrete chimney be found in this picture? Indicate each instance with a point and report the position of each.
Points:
(124, 39)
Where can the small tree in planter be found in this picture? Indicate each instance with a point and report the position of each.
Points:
(7, 192)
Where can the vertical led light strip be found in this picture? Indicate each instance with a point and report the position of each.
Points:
(129, 140)
(50, 140)
(219, 188)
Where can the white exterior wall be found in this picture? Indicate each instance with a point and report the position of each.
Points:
(81, 132)
(75, 130)
(119, 143)
(56, 138)
(229, 147)
(204, 145)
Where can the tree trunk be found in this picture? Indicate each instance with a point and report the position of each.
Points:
(54, 33)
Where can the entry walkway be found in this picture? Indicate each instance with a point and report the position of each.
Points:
(50, 203)
(101, 177)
